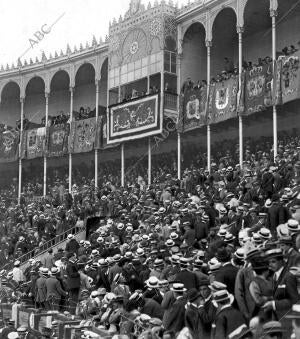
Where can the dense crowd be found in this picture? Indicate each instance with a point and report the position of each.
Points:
(213, 255)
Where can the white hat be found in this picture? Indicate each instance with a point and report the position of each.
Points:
(70, 236)
(13, 335)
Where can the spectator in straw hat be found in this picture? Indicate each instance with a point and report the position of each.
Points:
(287, 247)
(185, 276)
(54, 290)
(261, 288)
(241, 291)
(192, 315)
(227, 318)
(174, 316)
(285, 292)
(227, 273)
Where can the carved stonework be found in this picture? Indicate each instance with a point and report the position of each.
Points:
(155, 27)
(170, 26)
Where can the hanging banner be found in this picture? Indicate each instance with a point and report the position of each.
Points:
(134, 120)
(9, 145)
(192, 109)
(82, 135)
(258, 89)
(101, 137)
(33, 143)
(288, 79)
(222, 102)
(57, 140)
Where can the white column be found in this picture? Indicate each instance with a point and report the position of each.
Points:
(45, 158)
(240, 31)
(179, 58)
(179, 156)
(70, 154)
(122, 166)
(96, 150)
(149, 161)
(208, 47)
(273, 14)
(21, 139)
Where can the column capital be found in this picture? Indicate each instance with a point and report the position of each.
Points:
(71, 89)
(47, 95)
(208, 43)
(240, 29)
(273, 12)
(22, 99)
(97, 80)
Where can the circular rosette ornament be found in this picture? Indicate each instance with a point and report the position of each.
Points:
(155, 27)
(114, 43)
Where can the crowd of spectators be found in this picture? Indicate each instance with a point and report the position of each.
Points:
(213, 255)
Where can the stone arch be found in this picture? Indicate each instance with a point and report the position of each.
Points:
(194, 53)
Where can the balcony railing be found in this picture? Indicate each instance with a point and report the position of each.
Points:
(170, 101)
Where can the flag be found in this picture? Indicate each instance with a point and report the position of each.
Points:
(82, 135)
(192, 107)
(222, 100)
(258, 88)
(9, 145)
(57, 140)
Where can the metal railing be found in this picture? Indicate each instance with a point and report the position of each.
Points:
(43, 248)
(170, 101)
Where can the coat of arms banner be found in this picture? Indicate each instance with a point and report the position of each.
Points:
(33, 143)
(134, 120)
(57, 140)
(83, 135)
(9, 142)
(222, 103)
(192, 108)
(258, 89)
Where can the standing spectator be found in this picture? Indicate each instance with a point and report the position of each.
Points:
(18, 275)
(72, 245)
(54, 290)
(48, 260)
(227, 317)
(73, 281)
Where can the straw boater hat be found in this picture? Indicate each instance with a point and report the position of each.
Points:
(240, 333)
(272, 327)
(275, 253)
(217, 286)
(178, 287)
(152, 282)
(158, 263)
(264, 233)
(223, 296)
(293, 225)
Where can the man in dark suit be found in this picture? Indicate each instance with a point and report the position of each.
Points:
(186, 277)
(207, 310)
(227, 318)
(192, 315)
(103, 277)
(290, 254)
(227, 273)
(267, 183)
(174, 319)
(273, 215)
(54, 290)
(285, 292)
(73, 281)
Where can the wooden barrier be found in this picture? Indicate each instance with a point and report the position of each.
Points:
(35, 320)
